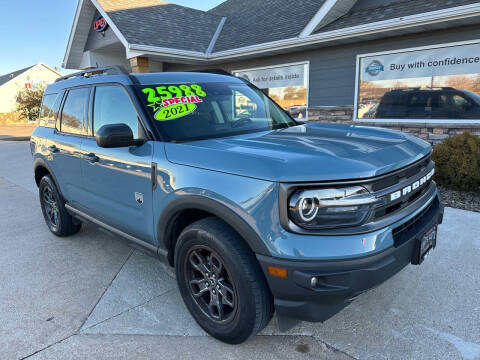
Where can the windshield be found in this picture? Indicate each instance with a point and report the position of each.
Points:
(184, 112)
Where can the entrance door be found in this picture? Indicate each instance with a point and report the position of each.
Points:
(117, 182)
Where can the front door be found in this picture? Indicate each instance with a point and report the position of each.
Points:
(117, 182)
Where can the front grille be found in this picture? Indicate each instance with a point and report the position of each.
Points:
(397, 176)
(390, 209)
(396, 181)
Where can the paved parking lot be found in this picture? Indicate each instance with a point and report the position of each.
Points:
(90, 296)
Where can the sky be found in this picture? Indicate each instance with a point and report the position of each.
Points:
(33, 31)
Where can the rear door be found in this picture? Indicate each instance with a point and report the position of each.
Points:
(65, 143)
(117, 182)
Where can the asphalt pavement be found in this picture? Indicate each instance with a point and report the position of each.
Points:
(91, 296)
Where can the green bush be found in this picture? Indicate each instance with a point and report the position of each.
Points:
(457, 161)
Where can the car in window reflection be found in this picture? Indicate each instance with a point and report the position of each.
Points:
(428, 103)
(298, 112)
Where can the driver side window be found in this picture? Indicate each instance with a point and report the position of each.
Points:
(112, 105)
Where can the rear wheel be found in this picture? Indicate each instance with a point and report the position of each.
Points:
(58, 220)
(221, 282)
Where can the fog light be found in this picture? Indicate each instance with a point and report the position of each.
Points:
(314, 282)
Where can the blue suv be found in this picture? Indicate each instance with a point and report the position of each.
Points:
(255, 211)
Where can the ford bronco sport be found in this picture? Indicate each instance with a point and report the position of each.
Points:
(255, 211)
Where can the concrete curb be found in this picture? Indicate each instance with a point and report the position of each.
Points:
(15, 138)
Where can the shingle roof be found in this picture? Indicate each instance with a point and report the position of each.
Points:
(251, 22)
(7, 77)
(359, 16)
(157, 23)
(248, 22)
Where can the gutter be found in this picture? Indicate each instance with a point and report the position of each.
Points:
(72, 31)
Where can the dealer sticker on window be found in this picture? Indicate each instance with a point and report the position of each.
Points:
(173, 102)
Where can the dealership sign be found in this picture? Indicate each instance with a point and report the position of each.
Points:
(282, 76)
(452, 60)
(100, 24)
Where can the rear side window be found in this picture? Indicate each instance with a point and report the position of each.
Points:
(112, 105)
(74, 110)
(49, 110)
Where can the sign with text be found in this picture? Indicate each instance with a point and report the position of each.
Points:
(100, 24)
(291, 75)
(452, 60)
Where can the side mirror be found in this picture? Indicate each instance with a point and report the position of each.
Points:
(116, 136)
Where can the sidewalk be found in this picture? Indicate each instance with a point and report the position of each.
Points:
(16, 132)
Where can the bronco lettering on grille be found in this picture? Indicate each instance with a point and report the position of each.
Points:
(416, 185)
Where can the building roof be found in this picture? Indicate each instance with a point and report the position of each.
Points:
(247, 28)
(7, 77)
(387, 10)
(251, 22)
(162, 24)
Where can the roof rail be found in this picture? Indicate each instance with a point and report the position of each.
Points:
(214, 71)
(109, 70)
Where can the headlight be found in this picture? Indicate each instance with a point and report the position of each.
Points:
(331, 208)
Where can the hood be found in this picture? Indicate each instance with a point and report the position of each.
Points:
(304, 153)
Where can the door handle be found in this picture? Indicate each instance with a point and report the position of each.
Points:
(53, 149)
(91, 158)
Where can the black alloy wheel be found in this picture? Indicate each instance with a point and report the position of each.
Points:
(210, 284)
(58, 220)
(51, 207)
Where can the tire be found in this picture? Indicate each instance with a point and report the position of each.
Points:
(231, 278)
(56, 216)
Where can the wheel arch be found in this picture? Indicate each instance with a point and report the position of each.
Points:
(41, 168)
(190, 208)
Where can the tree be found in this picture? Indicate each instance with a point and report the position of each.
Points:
(293, 93)
(29, 102)
(275, 97)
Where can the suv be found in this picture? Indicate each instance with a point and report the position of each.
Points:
(255, 212)
(428, 103)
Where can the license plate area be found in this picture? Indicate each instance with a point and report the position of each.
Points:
(424, 245)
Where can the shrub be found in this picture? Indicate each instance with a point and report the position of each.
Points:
(457, 161)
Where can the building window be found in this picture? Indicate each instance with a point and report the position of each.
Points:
(429, 85)
(286, 84)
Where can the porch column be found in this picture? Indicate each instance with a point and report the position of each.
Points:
(139, 64)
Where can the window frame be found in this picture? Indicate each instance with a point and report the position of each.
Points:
(91, 110)
(59, 121)
(393, 122)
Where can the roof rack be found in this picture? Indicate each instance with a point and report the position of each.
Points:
(109, 70)
(214, 71)
(428, 88)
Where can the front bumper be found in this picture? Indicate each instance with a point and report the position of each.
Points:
(341, 280)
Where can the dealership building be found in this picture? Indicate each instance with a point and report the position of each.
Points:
(412, 65)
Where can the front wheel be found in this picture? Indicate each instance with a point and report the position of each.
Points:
(221, 282)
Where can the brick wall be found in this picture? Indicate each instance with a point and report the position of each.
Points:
(433, 134)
